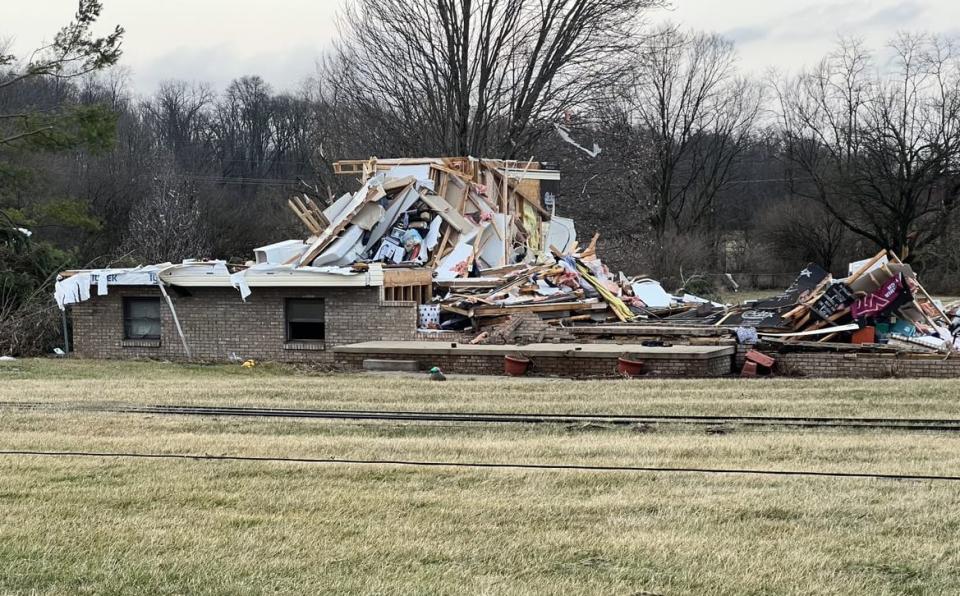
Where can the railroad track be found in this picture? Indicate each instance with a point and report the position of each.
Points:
(905, 424)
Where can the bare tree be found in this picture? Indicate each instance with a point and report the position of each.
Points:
(479, 76)
(879, 147)
(687, 104)
(802, 233)
(178, 115)
(167, 224)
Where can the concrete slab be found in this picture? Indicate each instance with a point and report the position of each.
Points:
(413, 348)
(374, 364)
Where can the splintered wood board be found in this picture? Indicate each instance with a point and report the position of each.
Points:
(311, 226)
(398, 183)
(448, 213)
(455, 192)
(394, 277)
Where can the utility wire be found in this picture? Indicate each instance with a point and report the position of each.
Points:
(483, 465)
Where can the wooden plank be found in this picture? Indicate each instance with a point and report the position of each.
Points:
(455, 310)
(946, 317)
(866, 267)
(348, 167)
(467, 282)
(307, 213)
(317, 212)
(493, 192)
(484, 311)
(442, 246)
(515, 187)
(448, 213)
(450, 171)
(398, 183)
(651, 330)
(309, 224)
(799, 346)
(455, 192)
(396, 277)
(813, 332)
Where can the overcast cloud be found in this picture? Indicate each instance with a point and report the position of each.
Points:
(218, 40)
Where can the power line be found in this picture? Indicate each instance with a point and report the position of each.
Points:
(759, 180)
(242, 180)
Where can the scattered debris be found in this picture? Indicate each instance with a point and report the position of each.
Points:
(881, 303)
(477, 244)
(757, 363)
(565, 135)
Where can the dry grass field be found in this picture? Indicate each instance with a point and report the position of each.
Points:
(118, 525)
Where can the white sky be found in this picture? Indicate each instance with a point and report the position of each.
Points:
(218, 40)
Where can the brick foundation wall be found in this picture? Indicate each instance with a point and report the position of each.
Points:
(217, 324)
(871, 366)
(565, 367)
(857, 366)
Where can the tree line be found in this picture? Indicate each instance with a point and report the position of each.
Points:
(684, 165)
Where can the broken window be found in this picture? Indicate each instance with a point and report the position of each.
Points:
(305, 319)
(141, 318)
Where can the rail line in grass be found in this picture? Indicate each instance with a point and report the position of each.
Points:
(806, 422)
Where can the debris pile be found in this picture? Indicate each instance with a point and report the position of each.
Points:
(477, 243)
(566, 288)
(455, 215)
(484, 228)
(881, 305)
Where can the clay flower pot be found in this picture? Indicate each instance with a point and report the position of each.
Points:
(630, 368)
(515, 366)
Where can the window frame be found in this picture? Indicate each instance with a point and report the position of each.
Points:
(127, 300)
(287, 321)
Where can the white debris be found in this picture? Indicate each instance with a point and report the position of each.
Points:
(238, 281)
(652, 294)
(565, 135)
(72, 290)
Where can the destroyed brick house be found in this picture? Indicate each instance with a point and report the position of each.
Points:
(461, 263)
(369, 263)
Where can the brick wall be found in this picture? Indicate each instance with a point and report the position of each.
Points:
(526, 328)
(553, 366)
(217, 324)
(856, 365)
(873, 366)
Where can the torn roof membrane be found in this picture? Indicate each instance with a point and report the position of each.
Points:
(79, 285)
